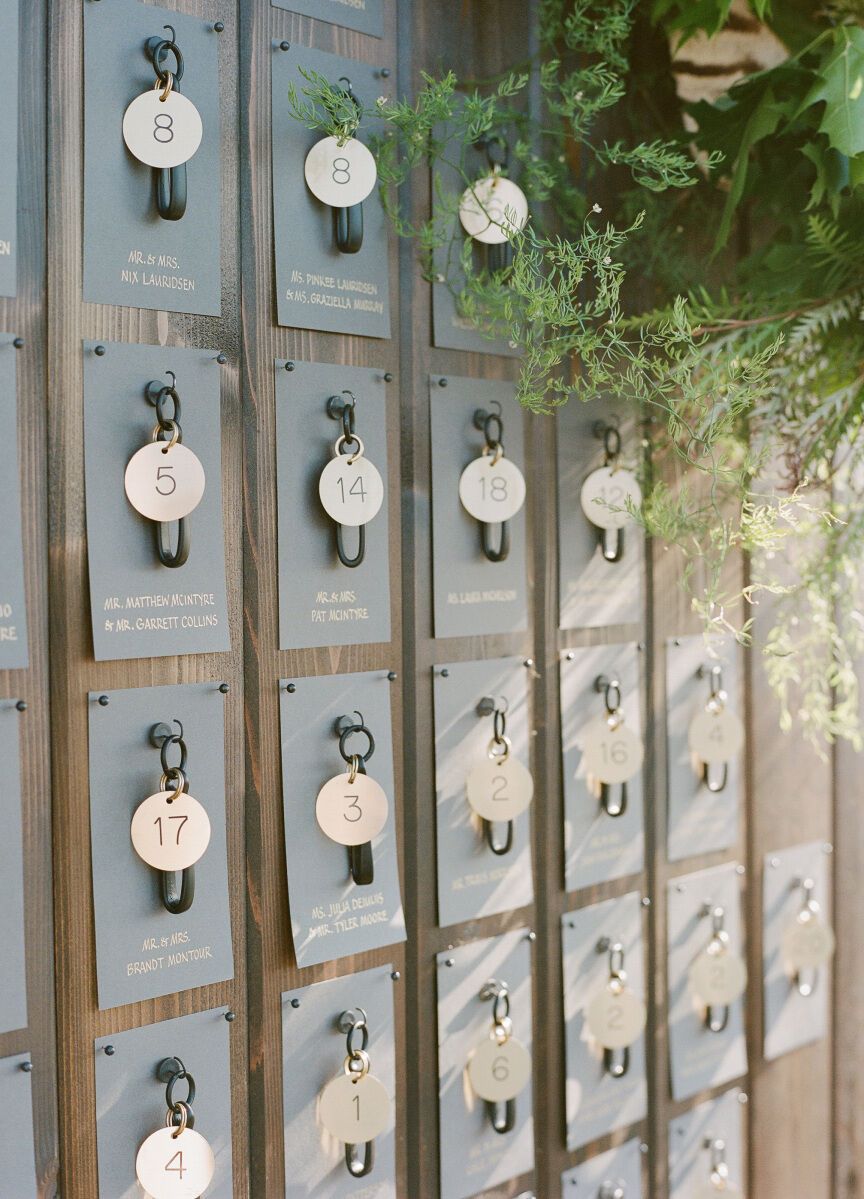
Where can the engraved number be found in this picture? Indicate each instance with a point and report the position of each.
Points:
(356, 488)
(162, 476)
(497, 488)
(182, 820)
(354, 806)
(499, 783)
(500, 1068)
(163, 130)
(615, 1016)
(179, 1169)
(356, 1102)
(614, 751)
(716, 733)
(341, 166)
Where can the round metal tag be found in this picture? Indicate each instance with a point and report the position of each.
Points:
(340, 175)
(175, 1167)
(611, 755)
(500, 790)
(615, 1019)
(718, 978)
(715, 736)
(492, 491)
(351, 492)
(604, 497)
(164, 484)
(355, 1110)
(493, 208)
(807, 944)
(711, 1190)
(499, 1072)
(170, 836)
(351, 813)
(162, 133)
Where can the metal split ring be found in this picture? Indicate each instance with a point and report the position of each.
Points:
(170, 426)
(352, 455)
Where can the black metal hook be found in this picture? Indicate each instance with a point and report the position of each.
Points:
(499, 735)
(171, 1071)
(716, 1016)
(348, 222)
(499, 256)
(358, 1165)
(611, 540)
(345, 410)
(177, 896)
(611, 689)
(715, 782)
(492, 426)
(169, 182)
(616, 1062)
(360, 861)
(502, 1121)
(157, 393)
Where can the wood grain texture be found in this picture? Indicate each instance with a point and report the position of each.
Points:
(26, 316)
(272, 968)
(73, 670)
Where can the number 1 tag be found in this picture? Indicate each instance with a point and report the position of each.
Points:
(162, 133)
(351, 489)
(340, 175)
(492, 491)
(170, 835)
(498, 1072)
(355, 1110)
(500, 790)
(605, 494)
(164, 482)
(351, 813)
(170, 1166)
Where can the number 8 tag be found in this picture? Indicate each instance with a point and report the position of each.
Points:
(162, 130)
(340, 175)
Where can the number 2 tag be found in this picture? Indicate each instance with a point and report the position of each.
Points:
(490, 490)
(500, 790)
(164, 482)
(351, 813)
(170, 835)
(718, 978)
(605, 494)
(162, 132)
(340, 176)
(615, 1017)
(170, 1166)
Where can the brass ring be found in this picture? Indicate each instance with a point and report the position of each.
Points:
(497, 453)
(166, 86)
(361, 1056)
(174, 430)
(184, 1119)
(352, 769)
(358, 453)
(494, 749)
(179, 783)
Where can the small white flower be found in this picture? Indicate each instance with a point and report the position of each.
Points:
(382, 100)
(596, 208)
(607, 260)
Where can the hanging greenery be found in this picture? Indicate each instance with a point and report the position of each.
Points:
(720, 292)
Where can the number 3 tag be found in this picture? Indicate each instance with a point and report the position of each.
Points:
(351, 813)
(164, 482)
(170, 1166)
(340, 175)
(170, 835)
(162, 133)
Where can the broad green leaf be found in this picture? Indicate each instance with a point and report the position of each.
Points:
(840, 86)
(762, 123)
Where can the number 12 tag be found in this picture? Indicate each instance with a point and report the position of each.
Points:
(175, 1166)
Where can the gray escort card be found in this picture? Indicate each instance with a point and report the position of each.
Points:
(366, 16)
(13, 615)
(132, 255)
(472, 880)
(796, 1004)
(619, 1171)
(13, 993)
(694, 1148)
(331, 915)
(318, 286)
(594, 593)
(143, 950)
(140, 608)
(452, 327)
(700, 1058)
(314, 1050)
(700, 820)
(9, 50)
(472, 594)
(17, 1158)
(599, 846)
(474, 1157)
(321, 601)
(130, 1097)
(597, 1101)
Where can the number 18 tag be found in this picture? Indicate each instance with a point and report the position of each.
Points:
(175, 1165)
(492, 488)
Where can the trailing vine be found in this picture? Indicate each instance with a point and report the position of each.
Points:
(748, 362)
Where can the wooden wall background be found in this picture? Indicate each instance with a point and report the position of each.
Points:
(805, 1117)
